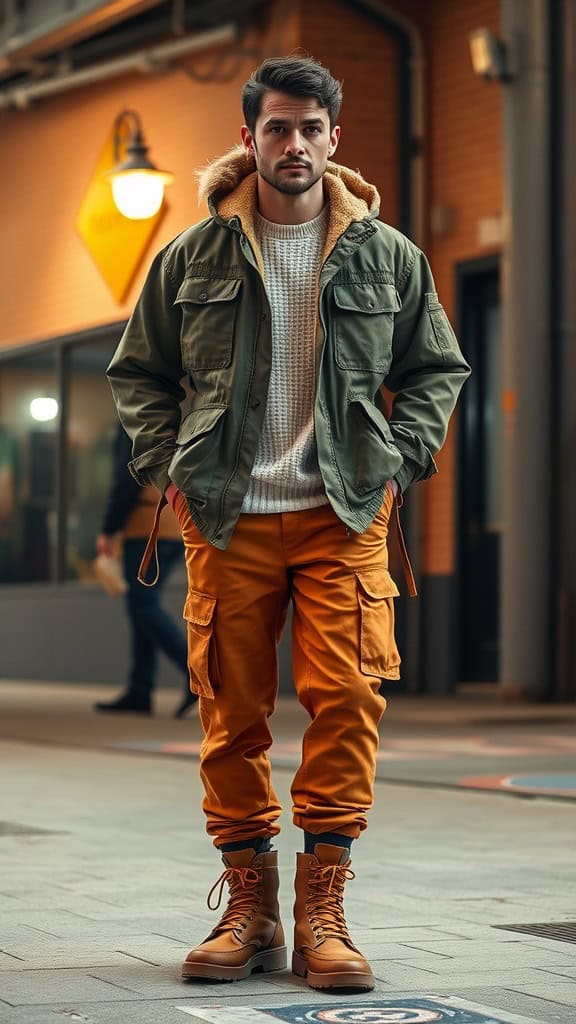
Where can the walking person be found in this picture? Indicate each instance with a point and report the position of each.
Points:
(288, 308)
(129, 515)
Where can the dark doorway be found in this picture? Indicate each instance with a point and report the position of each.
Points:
(480, 490)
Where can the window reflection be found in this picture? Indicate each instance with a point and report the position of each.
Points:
(92, 424)
(28, 450)
(52, 494)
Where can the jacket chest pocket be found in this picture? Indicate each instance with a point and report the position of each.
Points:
(209, 308)
(364, 323)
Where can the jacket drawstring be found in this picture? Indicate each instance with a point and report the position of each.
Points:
(152, 547)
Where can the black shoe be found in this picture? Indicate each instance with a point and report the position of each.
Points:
(128, 703)
(190, 699)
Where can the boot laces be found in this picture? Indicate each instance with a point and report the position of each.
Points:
(325, 900)
(245, 890)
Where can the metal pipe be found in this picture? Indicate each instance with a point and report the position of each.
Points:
(143, 61)
(62, 29)
(526, 589)
(565, 682)
(412, 205)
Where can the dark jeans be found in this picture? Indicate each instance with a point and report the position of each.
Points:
(152, 628)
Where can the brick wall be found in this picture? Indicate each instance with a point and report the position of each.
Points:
(465, 175)
(364, 58)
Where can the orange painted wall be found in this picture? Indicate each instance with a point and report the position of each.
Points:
(48, 281)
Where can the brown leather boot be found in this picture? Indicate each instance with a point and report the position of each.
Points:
(323, 950)
(249, 936)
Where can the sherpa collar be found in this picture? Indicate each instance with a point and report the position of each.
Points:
(229, 186)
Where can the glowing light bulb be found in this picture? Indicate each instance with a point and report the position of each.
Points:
(138, 194)
(44, 409)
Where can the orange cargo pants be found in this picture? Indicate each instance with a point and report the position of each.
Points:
(343, 646)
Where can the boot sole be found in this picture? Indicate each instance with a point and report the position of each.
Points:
(334, 979)
(266, 961)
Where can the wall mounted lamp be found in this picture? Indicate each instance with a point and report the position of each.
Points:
(137, 184)
(491, 57)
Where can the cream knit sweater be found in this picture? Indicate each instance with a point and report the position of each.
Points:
(285, 476)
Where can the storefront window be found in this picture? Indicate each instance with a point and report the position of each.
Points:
(57, 426)
(92, 423)
(29, 424)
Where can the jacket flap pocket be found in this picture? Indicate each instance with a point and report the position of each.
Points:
(199, 422)
(199, 608)
(367, 298)
(203, 290)
(376, 583)
(372, 413)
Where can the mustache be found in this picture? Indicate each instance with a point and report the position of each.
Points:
(294, 163)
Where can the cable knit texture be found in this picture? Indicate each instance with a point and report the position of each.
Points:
(285, 476)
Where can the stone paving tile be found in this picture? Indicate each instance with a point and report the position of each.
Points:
(382, 950)
(563, 972)
(405, 935)
(559, 992)
(401, 975)
(508, 952)
(7, 961)
(154, 983)
(519, 979)
(516, 1002)
(74, 960)
(29, 988)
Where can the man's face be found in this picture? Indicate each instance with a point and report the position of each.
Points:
(292, 142)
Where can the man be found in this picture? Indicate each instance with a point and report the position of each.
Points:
(127, 522)
(288, 308)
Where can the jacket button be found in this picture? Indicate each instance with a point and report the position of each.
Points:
(202, 296)
(255, 403)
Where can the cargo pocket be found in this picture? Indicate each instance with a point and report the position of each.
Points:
(378, 651)
(202, 663)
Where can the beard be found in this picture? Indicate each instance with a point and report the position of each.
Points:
(288, 187)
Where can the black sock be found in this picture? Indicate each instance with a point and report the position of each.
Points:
(332, 838)
(260, 844)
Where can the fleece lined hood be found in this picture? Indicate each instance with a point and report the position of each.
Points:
(229, 186)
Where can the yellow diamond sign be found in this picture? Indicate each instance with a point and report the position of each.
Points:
(115, 243)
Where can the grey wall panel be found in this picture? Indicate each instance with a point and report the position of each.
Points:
(74, 633)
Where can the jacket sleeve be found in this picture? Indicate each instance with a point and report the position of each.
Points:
(426, 374)
(145, 375)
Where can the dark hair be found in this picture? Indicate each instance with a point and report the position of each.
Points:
(297, 76)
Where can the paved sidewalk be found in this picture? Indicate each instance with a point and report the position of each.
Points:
(105, 868)
(526, 749)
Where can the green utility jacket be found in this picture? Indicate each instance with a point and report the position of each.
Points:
(204, 315)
